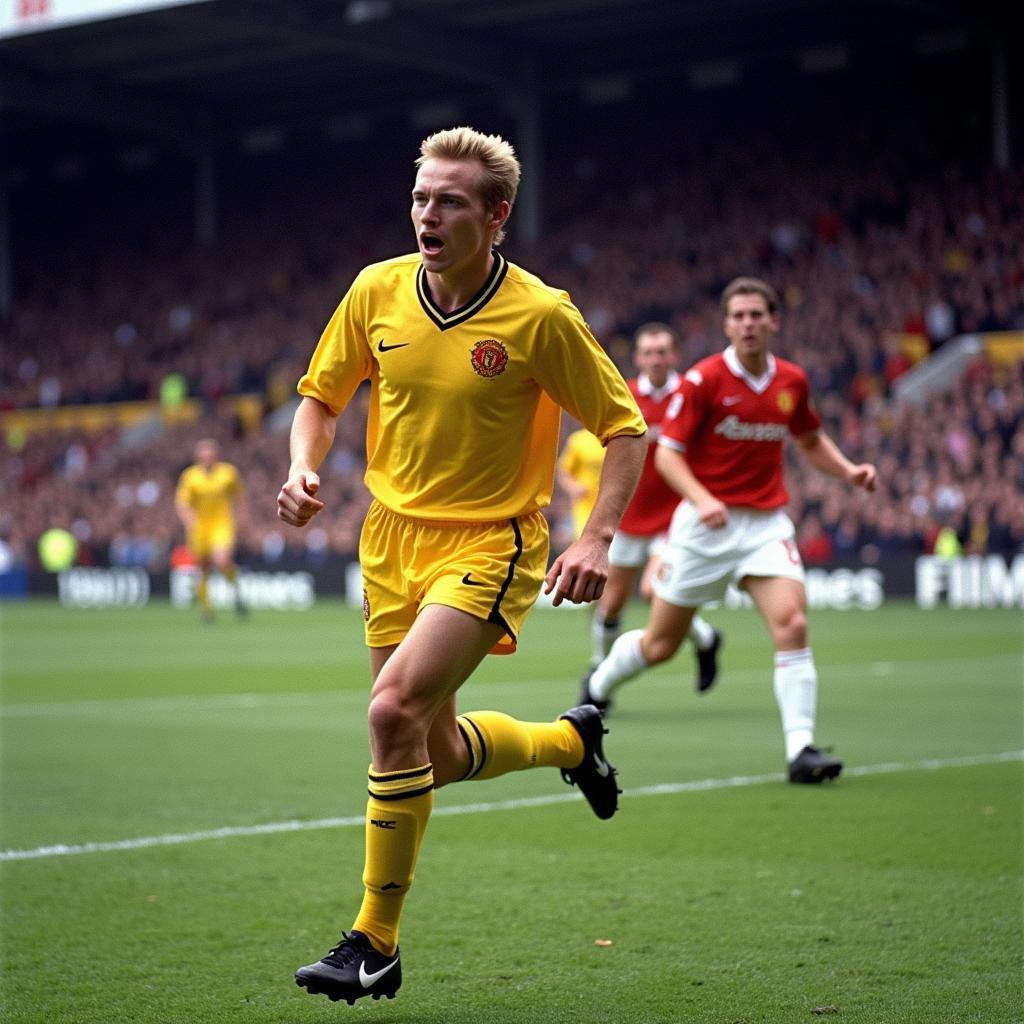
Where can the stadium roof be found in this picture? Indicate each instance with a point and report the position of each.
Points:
(246, 65)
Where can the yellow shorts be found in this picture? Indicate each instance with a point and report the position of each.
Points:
(491, 570)
(212, 535)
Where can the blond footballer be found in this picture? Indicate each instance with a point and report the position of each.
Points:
(470, 360)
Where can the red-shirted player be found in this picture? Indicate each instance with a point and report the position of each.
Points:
(645, 522)
(721, 449)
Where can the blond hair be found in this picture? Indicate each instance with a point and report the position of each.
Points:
(501, 171)
(750, 286)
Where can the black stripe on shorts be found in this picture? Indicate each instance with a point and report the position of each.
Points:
(496, 615)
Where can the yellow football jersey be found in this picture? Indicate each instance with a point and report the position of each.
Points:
(582, 459)
(465, 406)
(209, 494)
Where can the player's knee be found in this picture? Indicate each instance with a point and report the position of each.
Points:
(659, 648)
(791, 631)
(391, 719)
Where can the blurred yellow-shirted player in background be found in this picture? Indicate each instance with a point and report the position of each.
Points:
(205, 500)
(579, 474)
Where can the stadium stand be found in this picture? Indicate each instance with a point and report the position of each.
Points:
(854, 288)
(882, 252)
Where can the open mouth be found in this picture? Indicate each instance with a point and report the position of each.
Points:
(431, 244)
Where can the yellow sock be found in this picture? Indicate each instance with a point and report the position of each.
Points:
(231, 575)
(203, 592)
(499, 744)
(396, 818)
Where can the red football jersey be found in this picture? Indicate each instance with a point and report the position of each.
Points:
(650, 511)
(730, 426)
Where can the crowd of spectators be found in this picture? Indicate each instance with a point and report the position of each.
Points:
(955, 463)
(868, 256)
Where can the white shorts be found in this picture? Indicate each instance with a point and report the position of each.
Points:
(631, 551)
(698, 563)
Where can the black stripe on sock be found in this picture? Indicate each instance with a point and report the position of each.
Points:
(413, 773)
(469, 750)
(483, 748)
(400, 796)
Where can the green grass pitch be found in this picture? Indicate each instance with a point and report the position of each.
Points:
(179, 809)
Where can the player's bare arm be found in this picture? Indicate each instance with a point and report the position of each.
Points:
(823, 453)
(311, 439)
(673, 466)
(579, 573)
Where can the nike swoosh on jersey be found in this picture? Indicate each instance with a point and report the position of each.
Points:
(366, 979)
(381, 347)
(473, 583)
(732, 399)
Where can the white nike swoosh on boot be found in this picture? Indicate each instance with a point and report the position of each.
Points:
(601, 766)
(366, 980)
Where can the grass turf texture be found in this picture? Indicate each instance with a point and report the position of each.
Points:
(893, 896)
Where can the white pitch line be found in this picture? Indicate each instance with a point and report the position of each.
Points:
(661, 789)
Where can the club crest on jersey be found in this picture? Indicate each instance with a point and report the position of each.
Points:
(489, 357)
(785, 401)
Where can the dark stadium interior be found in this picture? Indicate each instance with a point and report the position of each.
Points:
(866, 157)
(239, 64)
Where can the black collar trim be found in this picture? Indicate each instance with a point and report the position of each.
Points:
(459, 316)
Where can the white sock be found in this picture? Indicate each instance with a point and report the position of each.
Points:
(623, 662)
(796, 691)
(701, 633)
(603, 633)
